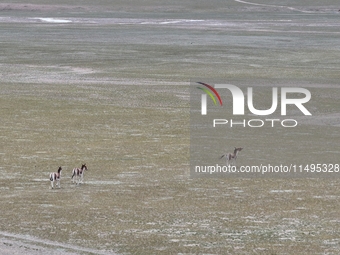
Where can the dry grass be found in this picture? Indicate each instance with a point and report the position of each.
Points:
(137, 197)
(115, 96)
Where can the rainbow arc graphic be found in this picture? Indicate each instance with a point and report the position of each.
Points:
(211, 91)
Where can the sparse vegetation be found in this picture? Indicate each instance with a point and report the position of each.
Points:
(115, 96)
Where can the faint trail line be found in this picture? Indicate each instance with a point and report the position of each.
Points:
(270, 5)
(54, 244)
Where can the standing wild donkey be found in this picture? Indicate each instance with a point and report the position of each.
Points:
(78, 173)
(231, 157)
(55, 177)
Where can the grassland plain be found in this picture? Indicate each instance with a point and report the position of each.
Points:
(107, 85)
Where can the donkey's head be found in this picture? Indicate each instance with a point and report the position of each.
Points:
(83, 167)
(237, 150)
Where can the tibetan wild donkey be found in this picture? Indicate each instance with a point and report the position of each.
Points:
(231, 157)
(78, 174)
(55, 177)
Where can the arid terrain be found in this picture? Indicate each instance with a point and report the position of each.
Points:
(108, 85)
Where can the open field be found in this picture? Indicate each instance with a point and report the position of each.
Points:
(109, 86)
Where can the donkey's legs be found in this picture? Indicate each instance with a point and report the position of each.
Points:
(77, 177)
(73, 176)
(227, 156)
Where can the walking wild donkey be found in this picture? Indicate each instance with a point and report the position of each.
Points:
(55, 177)
(231, 157)
(78, 174)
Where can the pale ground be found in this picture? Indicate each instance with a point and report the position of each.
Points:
(11, 246)
(107, 85)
